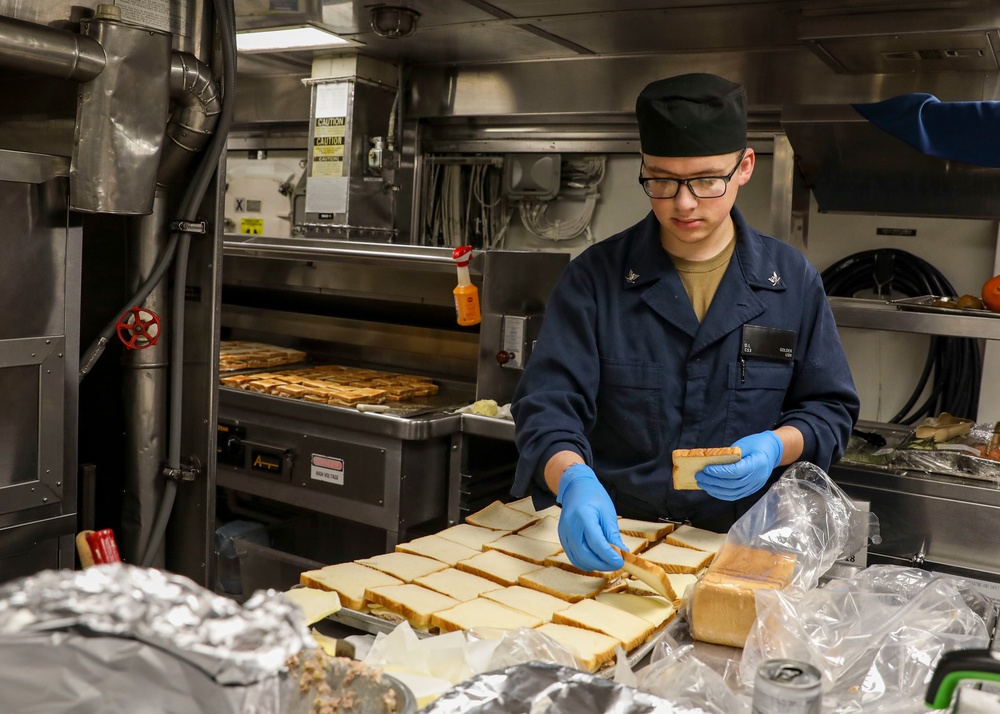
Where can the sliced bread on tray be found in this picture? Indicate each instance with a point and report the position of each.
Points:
(348, 580)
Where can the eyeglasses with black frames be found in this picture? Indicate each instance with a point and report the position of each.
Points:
(701, 187)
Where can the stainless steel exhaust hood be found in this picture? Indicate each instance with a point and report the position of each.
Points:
(852, 166)
(931, 40)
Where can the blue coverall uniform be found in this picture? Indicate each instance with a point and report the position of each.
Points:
(623, 373)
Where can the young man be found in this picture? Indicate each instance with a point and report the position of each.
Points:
(690, 329)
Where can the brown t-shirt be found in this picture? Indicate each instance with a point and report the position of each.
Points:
(701, 278)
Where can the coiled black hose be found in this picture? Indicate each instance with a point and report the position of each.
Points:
(955, 363)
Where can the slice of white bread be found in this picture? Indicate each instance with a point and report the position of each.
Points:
(348, 580)
(438, 548)
(591, 649)
(677, 559)
(412, 602)
(722, 608)
(496, 566)
(631, 630)
(530, 549)
(501, 517)
(482, 613)
(654, 609)
(561, 560)
(697, 538)
(546, 529)
(648, 572)
(405, 566)
(568, 586)
(316, 604)
(471, 536)
(533, 602)
(679, 583)
(457, 583)
(527, 506)
(634, 544)
(650, 530)
(688, 462)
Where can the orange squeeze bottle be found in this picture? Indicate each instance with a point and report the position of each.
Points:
(466, 294)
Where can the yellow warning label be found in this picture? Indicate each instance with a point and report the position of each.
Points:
(328, 166)
(252, 226)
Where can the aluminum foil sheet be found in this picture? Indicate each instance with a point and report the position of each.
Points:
(233, 644)
(538, 688)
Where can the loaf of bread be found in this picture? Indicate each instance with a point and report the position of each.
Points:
(722, 606)
(688, 462)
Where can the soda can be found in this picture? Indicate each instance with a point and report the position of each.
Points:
(787, 686)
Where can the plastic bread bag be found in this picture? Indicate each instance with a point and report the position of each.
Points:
(681, 675)
(875, 638)
(809, 518)
(786, 541)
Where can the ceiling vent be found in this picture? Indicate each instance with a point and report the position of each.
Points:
(897, 42)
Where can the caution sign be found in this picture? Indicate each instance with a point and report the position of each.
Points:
(328, 147)
(252, 226)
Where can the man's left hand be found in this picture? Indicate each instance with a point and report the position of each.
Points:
(729, 482)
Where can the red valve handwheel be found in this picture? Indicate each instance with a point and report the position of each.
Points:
(138, 328)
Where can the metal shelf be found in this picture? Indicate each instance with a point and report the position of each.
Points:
(879, 315)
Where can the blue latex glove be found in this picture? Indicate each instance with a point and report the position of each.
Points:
(729, 482)
(588, 524)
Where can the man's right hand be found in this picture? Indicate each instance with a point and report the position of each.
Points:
(588, 524)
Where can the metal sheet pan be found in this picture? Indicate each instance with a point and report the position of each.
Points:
(923, 303)
(366, 622)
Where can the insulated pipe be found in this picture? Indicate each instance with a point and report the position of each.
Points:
(145, 389)
(44, 50)
(196, 112)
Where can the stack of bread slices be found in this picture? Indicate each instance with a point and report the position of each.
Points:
(504, 568)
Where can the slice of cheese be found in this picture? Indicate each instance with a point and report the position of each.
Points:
(654, 609)
(631, 630)
(591, 649)
(648, 572)
(315, 604)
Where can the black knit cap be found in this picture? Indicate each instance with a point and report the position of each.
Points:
(692, 115)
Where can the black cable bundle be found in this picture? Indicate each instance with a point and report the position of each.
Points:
(956, 362)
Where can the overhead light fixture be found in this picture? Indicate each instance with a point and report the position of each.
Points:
(394, 22)
(301, 37)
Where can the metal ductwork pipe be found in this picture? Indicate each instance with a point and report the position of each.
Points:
(145, 388)
(120, 119)
(197, 106)
(53, 53)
